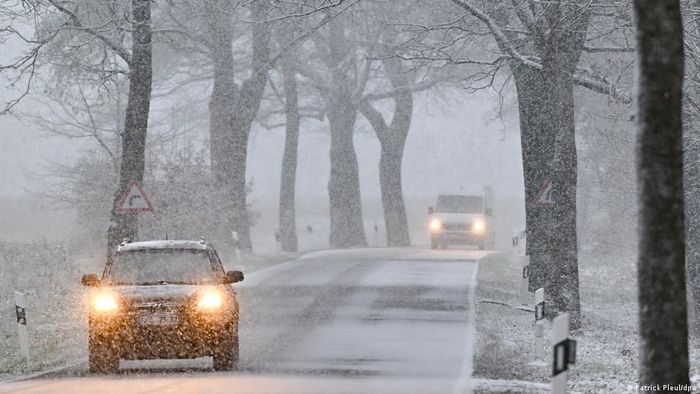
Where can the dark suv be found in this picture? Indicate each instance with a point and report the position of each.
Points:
(163, 299)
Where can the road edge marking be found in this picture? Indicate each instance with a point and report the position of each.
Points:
(463, 384)
(39, 374)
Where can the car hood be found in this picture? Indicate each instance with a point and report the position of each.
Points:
(156, 292)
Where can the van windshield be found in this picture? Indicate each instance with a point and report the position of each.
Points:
(460, 204)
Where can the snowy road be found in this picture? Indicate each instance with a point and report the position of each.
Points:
(361, 321)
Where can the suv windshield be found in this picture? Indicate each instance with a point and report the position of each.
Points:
(460, 204)
(175, 266)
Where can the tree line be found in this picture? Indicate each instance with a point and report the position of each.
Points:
(101, 64)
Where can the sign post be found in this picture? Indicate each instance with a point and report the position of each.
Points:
(21, 312)
(539, 322)
(564, 353)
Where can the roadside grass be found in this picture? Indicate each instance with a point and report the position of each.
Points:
(504, 336)
(607, 342)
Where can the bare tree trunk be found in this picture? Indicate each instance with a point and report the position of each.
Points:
(537, 152)
(546, 104)
(347, 227)
(136, 122)
(691, 180)
(393, 143)
(561, 278)
(247, 106)
(393, 140)
(661, 261)
(392, 196)
(233, 110)
(287, 215)
(221, 112)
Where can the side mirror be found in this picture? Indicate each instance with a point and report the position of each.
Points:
(90, 280)
(431, 210)
(233, 277)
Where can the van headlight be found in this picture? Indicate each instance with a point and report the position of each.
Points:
(435, 225)
(478, 226)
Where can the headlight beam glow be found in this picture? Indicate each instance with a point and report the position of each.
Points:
(105, 303)
(478, 227)
(435, 225)
(210, 301)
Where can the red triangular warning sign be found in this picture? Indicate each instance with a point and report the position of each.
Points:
(133, 200)
(545, 197)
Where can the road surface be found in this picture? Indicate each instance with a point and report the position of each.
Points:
(358, 321)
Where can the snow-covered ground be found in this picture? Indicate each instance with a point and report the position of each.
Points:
(607, 353)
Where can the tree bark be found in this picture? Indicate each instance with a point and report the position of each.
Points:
(221, 112)
(233, 110)
(691, 179)
(548, 139)
(393, 140)
(561, 279)
(661, 261)
(691, 182)
(347, 227)
(135, 124)
(537, 152)
(247, 106)
(395, 219)
(287, 213)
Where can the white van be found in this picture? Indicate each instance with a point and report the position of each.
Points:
(462, 219)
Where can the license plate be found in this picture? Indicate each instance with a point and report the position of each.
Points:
(157, 319)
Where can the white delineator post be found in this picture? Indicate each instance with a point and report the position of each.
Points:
(539, 322)
(564, 353)
(519, 243)
(21, 312)
(525, 296)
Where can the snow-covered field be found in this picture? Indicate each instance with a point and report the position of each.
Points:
(607, 343)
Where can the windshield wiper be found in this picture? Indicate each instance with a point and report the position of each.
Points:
(154, 283)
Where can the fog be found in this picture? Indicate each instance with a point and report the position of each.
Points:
(368, 196)
(476, 146)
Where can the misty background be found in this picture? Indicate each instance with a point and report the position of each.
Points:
(455, 145)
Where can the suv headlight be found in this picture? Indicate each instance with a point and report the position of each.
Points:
(210, 300)
(105, 302)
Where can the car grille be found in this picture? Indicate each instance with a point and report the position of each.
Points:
(156, 306)
(456, 226)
